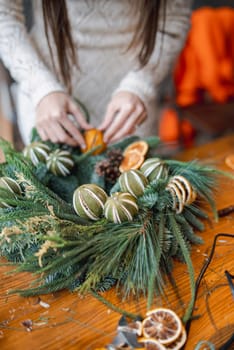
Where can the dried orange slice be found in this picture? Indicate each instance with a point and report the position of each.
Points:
(132, 160)
(163, 325)
(229, 160)
(179, 342)
(141, 146)
(94, 138)
(151, 344)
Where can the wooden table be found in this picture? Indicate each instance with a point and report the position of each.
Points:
(67, 321)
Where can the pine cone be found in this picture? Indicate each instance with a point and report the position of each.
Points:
(100, 167)
(109, 167)
(115, 155)
(112, 174)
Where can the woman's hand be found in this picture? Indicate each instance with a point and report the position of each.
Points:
(124, 113)
(52, 120)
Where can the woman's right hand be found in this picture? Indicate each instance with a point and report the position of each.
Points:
(53, 123)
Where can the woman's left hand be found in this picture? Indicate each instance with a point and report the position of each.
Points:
(124, 113)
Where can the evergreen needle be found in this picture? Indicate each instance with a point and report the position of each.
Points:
(114, 307)
(186, 255)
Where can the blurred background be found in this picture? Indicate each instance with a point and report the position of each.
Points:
(196, 99)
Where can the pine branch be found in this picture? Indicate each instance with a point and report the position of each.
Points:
(192, 219)
(105, 284)
(23, 166)
(153, 141)
(45, 288)
(197, 211)
(113, 245)
(187, 230)
(114, 307)
(124, 143)
(17, 202)
(24, 172)
(70, 254)
(179, 237)
(158, 255)
(174, 247)
(21, 214)
(16, 247)
(135, 247)
(148, 199)
(167, 241)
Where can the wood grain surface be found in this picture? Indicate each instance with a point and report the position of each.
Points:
(66, 320)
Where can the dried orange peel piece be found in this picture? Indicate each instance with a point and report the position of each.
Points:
(229, 161)
(132, 160)
(140, 146)
(163, 325)
(94, 138)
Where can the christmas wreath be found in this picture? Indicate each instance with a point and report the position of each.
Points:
(90, 221)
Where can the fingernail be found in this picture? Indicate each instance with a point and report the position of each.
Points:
(83, 145)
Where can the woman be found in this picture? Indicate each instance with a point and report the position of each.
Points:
(109, 54)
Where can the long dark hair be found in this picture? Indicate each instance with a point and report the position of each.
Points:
(56, 20)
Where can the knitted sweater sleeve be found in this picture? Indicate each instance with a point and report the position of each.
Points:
(169, 41)
(20, 55)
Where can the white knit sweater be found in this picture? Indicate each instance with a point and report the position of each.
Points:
(102, 30)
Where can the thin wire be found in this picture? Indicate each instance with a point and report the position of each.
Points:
(231, 284)
(199, 279)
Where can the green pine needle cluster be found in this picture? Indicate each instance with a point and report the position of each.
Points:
(42, 234)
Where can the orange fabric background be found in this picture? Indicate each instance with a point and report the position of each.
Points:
(207, 61)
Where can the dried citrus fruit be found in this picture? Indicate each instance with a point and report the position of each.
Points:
(60, 162)
(133, 181)
(154, 169)
(141, 146)
(163, 325)
(151, 344)
(120, 207)
(36, 152)
(89, 200)
(132, 160)
(94, 138)
(179, 342)
(229, 160)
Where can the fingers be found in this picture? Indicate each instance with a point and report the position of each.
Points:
(56, 134)
(110, 114)
(130, 126)
(124, 112)
(53, 122)
(74, 110)
(43, 134)
(77, 137)
(116, 120)
(125, 123)
(62, 131)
